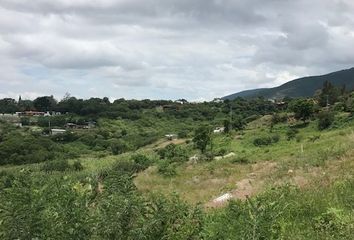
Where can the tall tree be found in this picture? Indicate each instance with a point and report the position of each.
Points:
(45, 103)
(302, 108)
(329, 94)
(202, 138)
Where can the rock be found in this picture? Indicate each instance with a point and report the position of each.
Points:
(223, 198)
(194, 159)
(231, 154)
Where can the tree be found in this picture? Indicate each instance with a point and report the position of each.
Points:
(227, 125)
(238, 123)
(8, 105)
(202, 138)
(45, 103)
(349, 105)
(329, 94)
(302, 108)
(325, 119)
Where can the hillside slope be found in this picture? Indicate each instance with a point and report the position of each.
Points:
(302, 87)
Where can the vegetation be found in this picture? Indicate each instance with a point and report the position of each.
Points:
(287, 169)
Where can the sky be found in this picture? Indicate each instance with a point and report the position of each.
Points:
(168, 49)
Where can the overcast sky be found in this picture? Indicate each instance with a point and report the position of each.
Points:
(168, 49)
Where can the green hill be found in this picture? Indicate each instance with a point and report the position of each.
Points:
(302, 87)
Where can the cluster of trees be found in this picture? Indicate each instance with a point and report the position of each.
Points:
(132, 109)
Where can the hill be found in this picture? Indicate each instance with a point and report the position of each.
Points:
(301, 87)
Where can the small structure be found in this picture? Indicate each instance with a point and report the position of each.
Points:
(56, 131)
(90, 124)
(218, 100)
(219, 130)
(181, 101)
(70, 125)
(171, 136)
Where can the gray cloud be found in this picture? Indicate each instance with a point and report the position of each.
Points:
(168, 48)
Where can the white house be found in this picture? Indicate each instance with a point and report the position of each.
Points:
(171, 136)
(56, 131)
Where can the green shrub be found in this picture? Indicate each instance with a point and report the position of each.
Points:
(173, 153)
(118, 147)
(325, 120)
(291, 133)
(182, 134)
(266, 140)
(221, 152)
(167, 169)
(241, 160)
(143, 161)
(77, 166)
(56, 165)
(279, 118)
(331, 223)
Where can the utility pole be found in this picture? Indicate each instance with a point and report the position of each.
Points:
(230, 117)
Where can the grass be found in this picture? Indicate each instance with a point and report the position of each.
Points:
(308, 158)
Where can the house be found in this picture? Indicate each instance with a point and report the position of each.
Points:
(70, 125)
(181, 101)
(56, 131)
(218, 100)
(219, 130)
(171, 136)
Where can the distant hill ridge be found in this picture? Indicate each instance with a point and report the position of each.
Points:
(301, 87)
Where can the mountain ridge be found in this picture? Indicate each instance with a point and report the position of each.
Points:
(300, 87)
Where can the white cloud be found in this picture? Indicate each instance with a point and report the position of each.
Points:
(168, 48)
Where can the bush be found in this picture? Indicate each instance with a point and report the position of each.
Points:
(279, 118)
(241, 160)
(119, 147)
(266, 140)
(24, 149)
(65, 137)
(182, 134)
(143, 161)
(167, 169)
(325, 120)
(25, 121)
(291, 133)
(221, 152)
(173, 153)
(125, 167)
(77, 166)
(56, 165)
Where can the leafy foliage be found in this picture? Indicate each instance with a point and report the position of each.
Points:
(302, 108)
(202, 138)
(325, 120)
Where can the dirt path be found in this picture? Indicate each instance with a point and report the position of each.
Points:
(246, 187)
